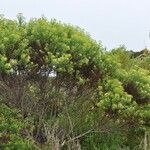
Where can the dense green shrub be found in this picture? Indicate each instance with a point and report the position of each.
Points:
(13, 134)
(77, 93)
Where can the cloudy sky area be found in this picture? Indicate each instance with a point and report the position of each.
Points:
(114, 22)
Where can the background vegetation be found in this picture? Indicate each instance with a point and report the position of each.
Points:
(60, 89)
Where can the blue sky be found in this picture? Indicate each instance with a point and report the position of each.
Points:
(114, 22)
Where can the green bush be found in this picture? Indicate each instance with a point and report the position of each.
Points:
(13, 134)
(76, 92)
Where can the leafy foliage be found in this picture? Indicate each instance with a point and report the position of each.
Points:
(11, 130)
(77, 93)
